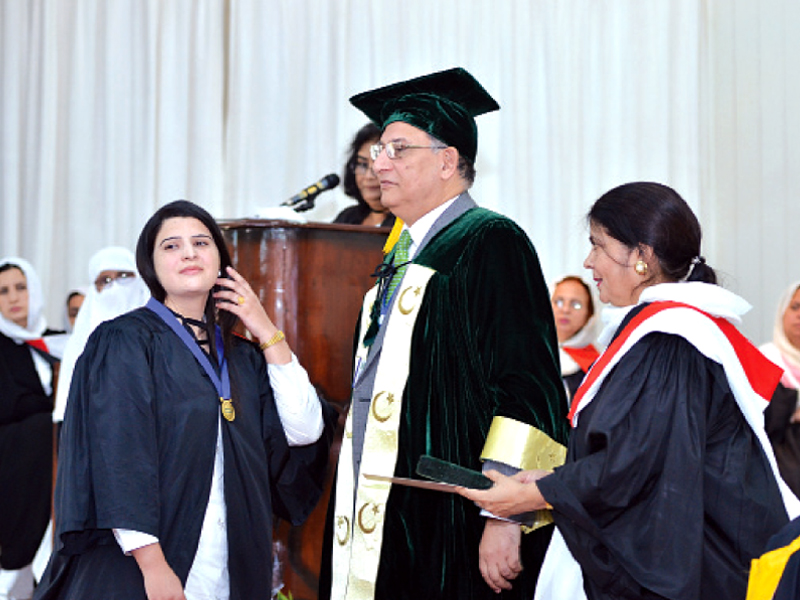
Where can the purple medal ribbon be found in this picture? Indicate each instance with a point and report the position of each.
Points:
(221, 382)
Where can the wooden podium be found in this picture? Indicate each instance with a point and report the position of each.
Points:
(311, 278)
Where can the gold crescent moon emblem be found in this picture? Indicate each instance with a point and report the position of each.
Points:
(383, 415)
(405, 309)
(342, 530)
(368, 519)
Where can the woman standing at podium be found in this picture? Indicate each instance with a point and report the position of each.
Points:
(181, 439)
(361, 183)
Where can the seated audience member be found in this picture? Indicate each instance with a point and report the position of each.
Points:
(361, 183)
(573, 308)
(116, 289)
(28, 353)
(75, 300)
(782, 416)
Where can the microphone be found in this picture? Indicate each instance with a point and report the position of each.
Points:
(305, 199)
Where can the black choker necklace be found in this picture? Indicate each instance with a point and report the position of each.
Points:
(187, 323)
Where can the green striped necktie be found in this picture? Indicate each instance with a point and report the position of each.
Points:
(400, 258)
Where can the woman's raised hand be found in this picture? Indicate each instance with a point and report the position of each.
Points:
(237, 297)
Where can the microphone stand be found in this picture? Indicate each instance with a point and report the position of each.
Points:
(305, 204)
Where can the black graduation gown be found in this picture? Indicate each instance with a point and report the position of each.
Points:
(784, 435)
(137, 452)
(26, 455)
(666, 491)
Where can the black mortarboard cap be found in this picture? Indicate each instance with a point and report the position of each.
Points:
(443, 104)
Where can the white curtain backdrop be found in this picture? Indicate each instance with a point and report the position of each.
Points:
(111, 108)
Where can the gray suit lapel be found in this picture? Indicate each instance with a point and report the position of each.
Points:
(461, 205)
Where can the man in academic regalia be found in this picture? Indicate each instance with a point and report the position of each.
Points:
(457, 339)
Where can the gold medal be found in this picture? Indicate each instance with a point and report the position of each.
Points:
(227, 409)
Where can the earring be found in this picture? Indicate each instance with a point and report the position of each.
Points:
(640, 267)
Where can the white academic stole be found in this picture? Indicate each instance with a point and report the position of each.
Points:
(358, 533)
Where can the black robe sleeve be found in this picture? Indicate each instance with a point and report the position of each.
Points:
(108, 473)
(297, 472)
(666, 491)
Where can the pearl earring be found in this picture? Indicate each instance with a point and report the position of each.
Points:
(640, 267)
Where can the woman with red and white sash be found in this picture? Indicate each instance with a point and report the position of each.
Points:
(576, 329)
(670, 486)
(28, 352)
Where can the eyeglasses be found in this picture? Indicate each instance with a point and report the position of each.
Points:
(574, 304)
(395, 150)
(103, 282)
(362, 168)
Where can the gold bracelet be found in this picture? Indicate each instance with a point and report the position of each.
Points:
(278, 337)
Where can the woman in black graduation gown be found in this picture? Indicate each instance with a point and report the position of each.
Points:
(26, 429)
(670, 486)
(181, 440)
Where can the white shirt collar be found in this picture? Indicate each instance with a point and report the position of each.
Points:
(423, 225)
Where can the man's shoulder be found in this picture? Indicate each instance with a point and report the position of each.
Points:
(481, 225)
(483, 217)
(473, 235)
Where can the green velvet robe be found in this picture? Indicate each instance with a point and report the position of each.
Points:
(484, 344)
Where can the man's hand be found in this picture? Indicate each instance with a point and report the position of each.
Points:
(499, 554)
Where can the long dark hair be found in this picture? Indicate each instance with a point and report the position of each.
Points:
(651, 214)
(144, 262)
(369, 132)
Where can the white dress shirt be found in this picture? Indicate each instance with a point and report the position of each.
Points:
(423, 225)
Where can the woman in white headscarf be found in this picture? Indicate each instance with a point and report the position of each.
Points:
(28, 352)
(116, 289)
(782, 416)
(576, 328)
